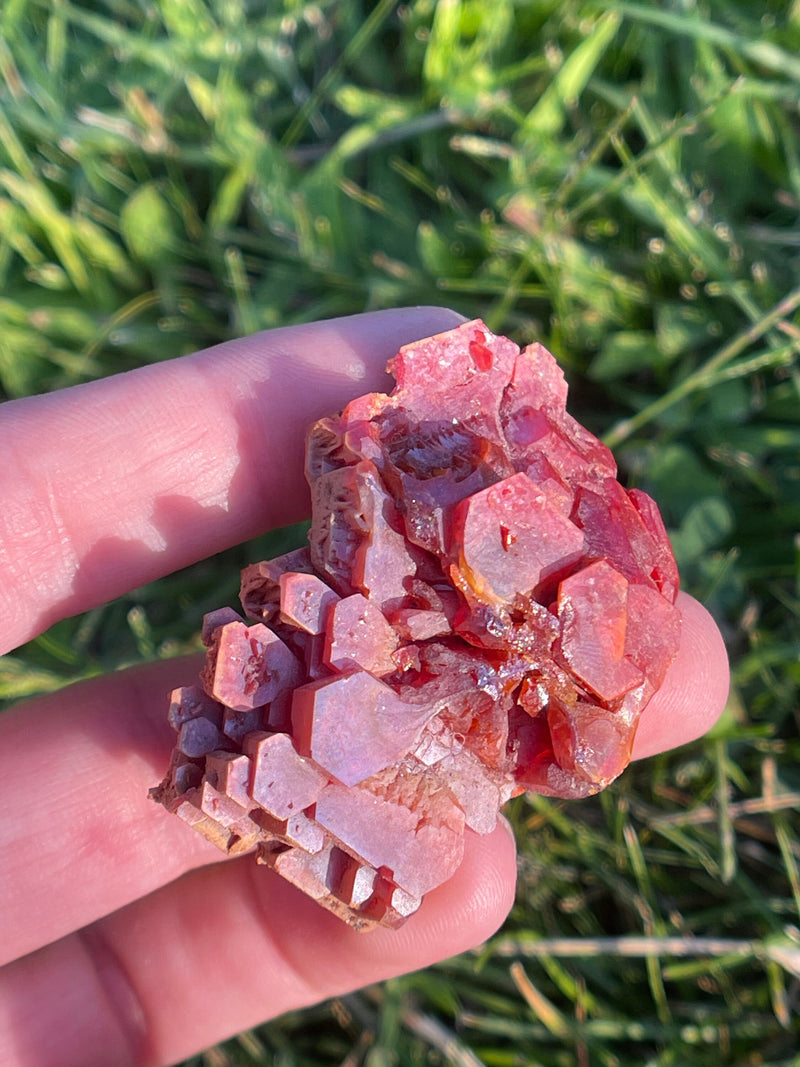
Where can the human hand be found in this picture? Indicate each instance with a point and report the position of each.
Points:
(123, 940)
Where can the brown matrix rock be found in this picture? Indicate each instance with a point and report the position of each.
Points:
(482, 610)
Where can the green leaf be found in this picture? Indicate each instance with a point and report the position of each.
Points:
(547, 117)
(680, 328)
(624, 352)
(187, 19)
(679, 479)
(706, 525)
(231, 193)
(146, 224)
(20, 679)
(361, 103)
(433, 250)
(444, 42)
(762, 52)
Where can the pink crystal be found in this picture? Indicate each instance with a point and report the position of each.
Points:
(359, 638)
(352, 725)
(510, 539)
(305, 601)
(482, 610)
(593, 610)
(281, 782)
(248, 666)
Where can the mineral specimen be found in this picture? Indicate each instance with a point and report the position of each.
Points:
(482, 609)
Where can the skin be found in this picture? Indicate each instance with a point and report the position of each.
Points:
(123, 938)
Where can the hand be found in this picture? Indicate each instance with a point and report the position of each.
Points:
(123, 940)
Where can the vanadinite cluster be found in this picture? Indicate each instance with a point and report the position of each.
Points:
(482, 609)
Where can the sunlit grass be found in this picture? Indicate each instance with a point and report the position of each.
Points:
(619, 180)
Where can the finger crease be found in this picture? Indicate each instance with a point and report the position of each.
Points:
(122, 1002)
(306, 992)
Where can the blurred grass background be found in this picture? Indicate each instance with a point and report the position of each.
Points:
(620, 180)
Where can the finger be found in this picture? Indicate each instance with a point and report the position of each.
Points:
(219, 951)
(108, 485)
(695, 689)
(75, 768)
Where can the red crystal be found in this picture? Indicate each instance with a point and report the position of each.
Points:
(482, 609)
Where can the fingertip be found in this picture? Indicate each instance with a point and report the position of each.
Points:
(695, 689)
(477, 901)
(331, 958)
(459, 915)
(435, 316)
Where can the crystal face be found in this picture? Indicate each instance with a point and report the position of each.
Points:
(482, 610)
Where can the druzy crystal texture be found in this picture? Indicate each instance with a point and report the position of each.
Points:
(482, 609)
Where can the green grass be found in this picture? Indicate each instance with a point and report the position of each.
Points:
(620, 180)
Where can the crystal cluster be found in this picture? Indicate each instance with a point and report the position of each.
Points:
(482, 609)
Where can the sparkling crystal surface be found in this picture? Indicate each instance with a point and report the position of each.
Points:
(482, 609)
